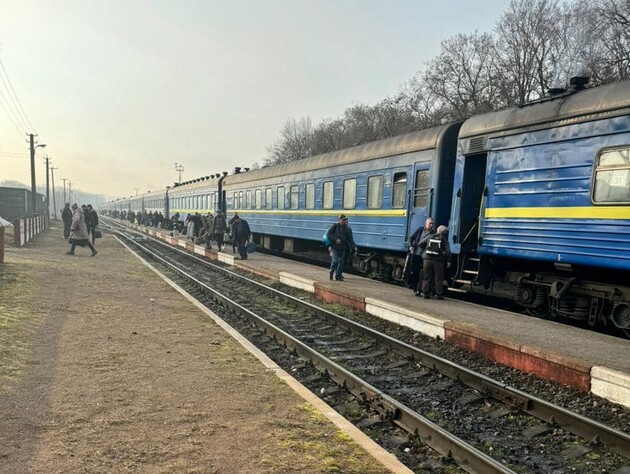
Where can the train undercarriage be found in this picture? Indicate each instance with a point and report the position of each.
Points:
(588, 295)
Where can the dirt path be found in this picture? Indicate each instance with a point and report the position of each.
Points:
(105, 368)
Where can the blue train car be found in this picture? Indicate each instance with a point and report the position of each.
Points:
(199, 195)
(386, 188)
(541, 205)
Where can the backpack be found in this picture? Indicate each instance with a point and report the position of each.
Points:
(326, 242)
(435, 246)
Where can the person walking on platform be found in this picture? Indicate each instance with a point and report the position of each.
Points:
(417, 243)
(66, 217)
(436, 253)
(240, 235)
(93, 216)
(341, 240)
(79, 235)
(219, 226)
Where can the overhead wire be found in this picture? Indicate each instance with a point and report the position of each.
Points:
(15, 98)
(21, 132)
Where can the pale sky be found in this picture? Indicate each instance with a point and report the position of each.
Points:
(121, 90)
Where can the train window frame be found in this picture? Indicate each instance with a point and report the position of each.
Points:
(268, 198)
(345, 197)
(421, 192)
(369, 199)
(397, 186)
(280, 202)
(328, 195)
(614, 169)
(258, 198)
(240, 199)
(235, 201)
(294, 196)
(309, 196)
(248, 199)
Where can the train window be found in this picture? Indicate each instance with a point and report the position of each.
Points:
(295, 196)
(375, 192)
(268, 198)
(612, 176)
(328, 195)
(240, 199)
(421, 191)
(280, 197)
(310, 196)
(400, 190)
(349, 193)
(258, 199)
(235, 201)
(248, 200)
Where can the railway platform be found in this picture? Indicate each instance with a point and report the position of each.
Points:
(586, 360)
(106, 368)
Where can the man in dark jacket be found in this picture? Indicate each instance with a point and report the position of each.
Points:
(240, 235)
(219, 226)
(436, 253)
(66, 217)
(93, 218)
(341, 240)
(417, 242)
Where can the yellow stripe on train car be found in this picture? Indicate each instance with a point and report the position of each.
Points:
(347, 212)
(588, 212)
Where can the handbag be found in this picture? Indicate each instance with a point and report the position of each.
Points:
(96, 232)
(250, 247)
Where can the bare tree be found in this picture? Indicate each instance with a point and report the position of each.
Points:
(294, 142)
(529, 45)
(462, 76)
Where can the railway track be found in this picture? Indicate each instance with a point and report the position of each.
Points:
(481, 424)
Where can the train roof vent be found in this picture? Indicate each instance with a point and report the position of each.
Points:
(476, 145)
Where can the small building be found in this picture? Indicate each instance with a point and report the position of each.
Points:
(16, 202)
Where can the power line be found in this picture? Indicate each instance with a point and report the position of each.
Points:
(21, 132)
(16, 96)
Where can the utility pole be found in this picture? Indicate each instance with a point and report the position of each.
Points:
(33, 190)
(52, 174)
(69, 191)
(33, 187)
(64, 191)
(47, 187)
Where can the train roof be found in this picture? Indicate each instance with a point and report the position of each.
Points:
(570, 107)
(194, 185)
(408, 143)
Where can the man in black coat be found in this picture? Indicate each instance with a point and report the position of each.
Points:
(417, 243)
(93, 218)
(436, 253)
(240, 235)
(341, 242)
(66, 217)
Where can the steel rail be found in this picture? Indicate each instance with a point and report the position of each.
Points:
(465, 455)
(580, 425)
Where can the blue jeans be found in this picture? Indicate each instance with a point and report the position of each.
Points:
(338, 259)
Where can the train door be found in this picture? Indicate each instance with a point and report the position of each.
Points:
(420, 205)
(473, 186)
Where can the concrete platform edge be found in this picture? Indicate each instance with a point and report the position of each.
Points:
(297, 281)
(420, 322)
(611, 384)
(376, 451)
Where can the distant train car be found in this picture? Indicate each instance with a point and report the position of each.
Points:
(542, 205)
(386, 188)
(199, 195)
